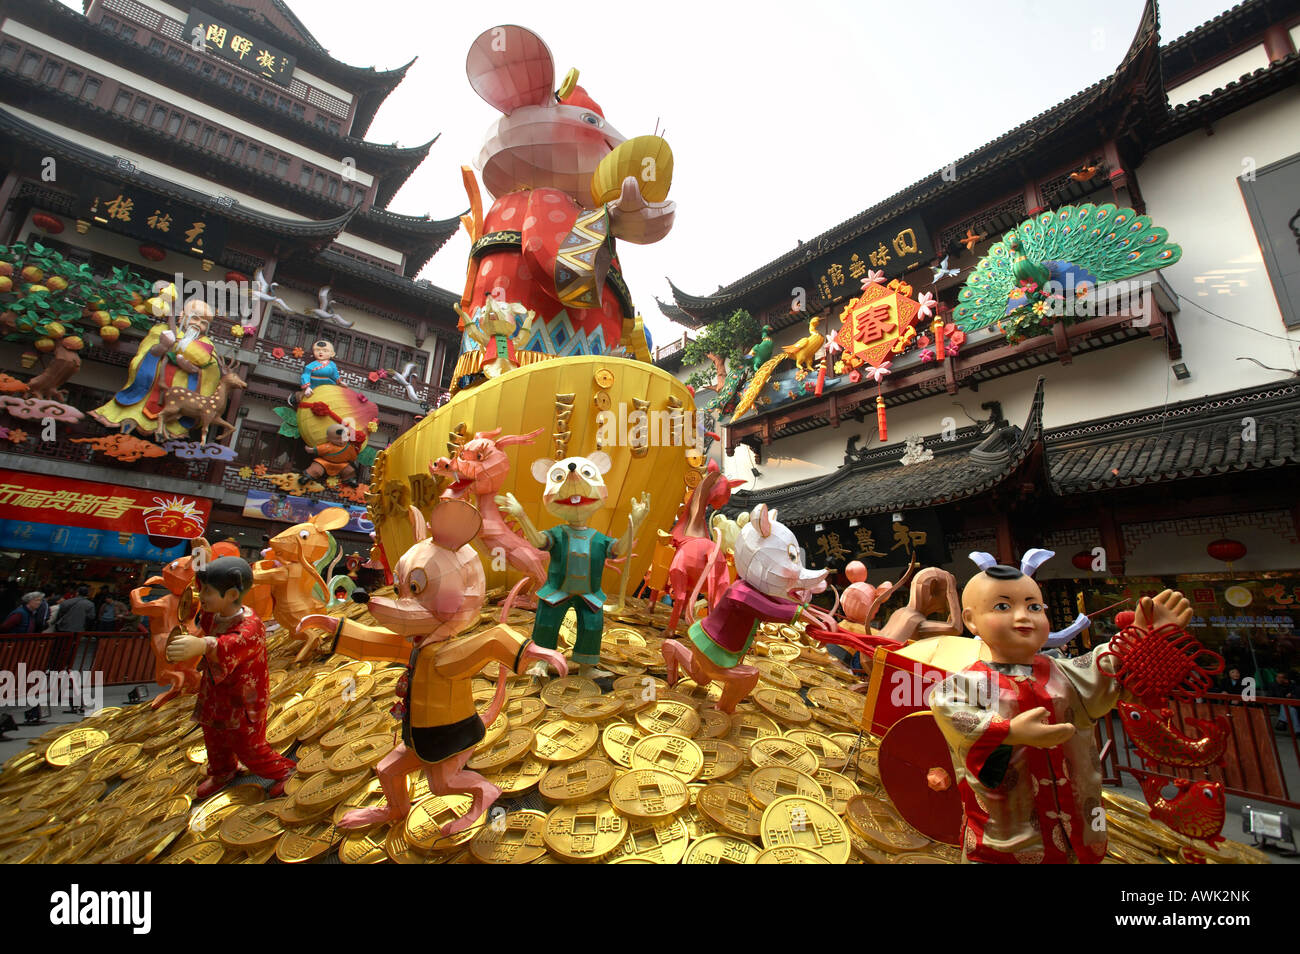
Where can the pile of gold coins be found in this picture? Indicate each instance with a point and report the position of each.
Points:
(633, 773)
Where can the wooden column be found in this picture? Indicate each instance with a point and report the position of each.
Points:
(9, 220)
(1006, 539)
(1112, 539)
(1277, 43)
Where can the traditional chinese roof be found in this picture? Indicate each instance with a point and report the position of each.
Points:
(1197, 438)
(1131, 94)
(434, 301)
(875, 482)
(22, 145)
(1222, 35)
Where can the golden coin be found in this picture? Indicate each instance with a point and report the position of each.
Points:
(721, 848)
(326, 788)
(564, 741)
(850, 704)
(633, 700)
(199, 853)
(519, 777)
(593, 709)
(782, 705)
(661, 841)
(427, 819)
(495, 731)
(370, 795)
(523, 685)
(790, 855)
(567, 689)
(364, 847)
(806, 823)
(54, 788)
(618, 740)
(748, 727)
(714, 724)
(523, 711)
(676, 718)
(509, 748)
(648, 685)
(207, 817)
(776, 674)
(869, 763)
(354, 727)
(641, 656)
(830, 754)
(400, 850)
(73, 745)
(359, 753)
(623, 637)
(648, 793)
(670, 753)
(311, 759)
(837, 788)
(730, 808)
(876, 822)
(604, 378)
(109, 761)
(176, 731)
(722, 759)
(514, 838)
(22, 852)
(293, 719)
(250, 826)
(779, 750)
(917, 858)
(73, 842)
(295, 847)
(576, 781)
(812, 676)
(771, 782)
(588, 831)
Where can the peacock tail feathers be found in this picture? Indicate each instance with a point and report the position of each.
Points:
(756, 386)
(1109, 241)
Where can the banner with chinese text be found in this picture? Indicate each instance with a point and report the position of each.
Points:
(141, 214)
(877, 541)
(78, 541)
(895, 249)
(235, 46)
(66, 502)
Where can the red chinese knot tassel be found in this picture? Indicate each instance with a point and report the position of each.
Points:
(937, 328)
(880, 419)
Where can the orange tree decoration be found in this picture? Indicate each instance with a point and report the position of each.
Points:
(43, 299)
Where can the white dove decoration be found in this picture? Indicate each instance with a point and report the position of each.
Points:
(326, 310)
(943, 271)
(264, 291)
(404, 379)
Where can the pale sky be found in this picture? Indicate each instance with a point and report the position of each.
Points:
(784, 118)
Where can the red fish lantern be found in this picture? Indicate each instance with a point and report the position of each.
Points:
(1226, 550)
(1082, 560)
(47, 223)
(152, 252)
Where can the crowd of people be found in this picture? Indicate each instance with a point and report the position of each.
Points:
(68, 609)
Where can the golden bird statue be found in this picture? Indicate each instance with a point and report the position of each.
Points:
(804, 351)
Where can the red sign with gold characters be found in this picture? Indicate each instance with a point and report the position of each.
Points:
(39, 498)
(876, 324)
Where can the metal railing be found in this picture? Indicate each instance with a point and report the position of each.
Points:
(123, 658)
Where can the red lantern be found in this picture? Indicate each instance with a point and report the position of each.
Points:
(47, 223)
(152, 252)
(238, 277)
(1082, 560)
(1226, 550)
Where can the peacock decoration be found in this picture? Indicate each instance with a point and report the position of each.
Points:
(1022, 281)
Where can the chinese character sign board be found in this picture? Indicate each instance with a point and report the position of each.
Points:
(877, 541)
(64, 503)
(876, 325)
(895, 248)
(229, 43)
(143, 215)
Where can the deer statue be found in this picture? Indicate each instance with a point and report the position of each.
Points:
(205, 410)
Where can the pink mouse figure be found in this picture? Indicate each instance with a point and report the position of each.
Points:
(690, 537)
(774, 586)
(439, 594)
(479, 469)
(546, 243)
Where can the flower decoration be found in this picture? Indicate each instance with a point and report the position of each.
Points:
(298, 352)
(1028, 287)
(878, 372)
(874, 277)
(237, 331)
(923, 341)
(927, 355)
(855, 377)
(1081, 290)
(260, 470)
(928, 303)
(331, 482)
(1041, 308)
(372, 426)
(245, 472)
(249, 329)
(277, 353)
(373, 376)
(839, 367)
(17, 435)
(954, 335)
(952, 349)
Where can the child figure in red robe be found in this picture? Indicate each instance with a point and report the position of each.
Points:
(1020, 727)
(235, 686)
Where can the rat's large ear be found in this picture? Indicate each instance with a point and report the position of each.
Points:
(454, 523)
(601, 460)
(759, 517)
(511, 67)
(540, 467)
